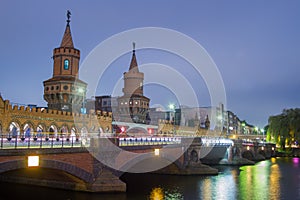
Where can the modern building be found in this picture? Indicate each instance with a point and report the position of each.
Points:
(65, 91)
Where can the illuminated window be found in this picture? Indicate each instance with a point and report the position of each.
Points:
(66, 64)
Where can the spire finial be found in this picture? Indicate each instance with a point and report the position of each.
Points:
(133, 46)
(68, 16)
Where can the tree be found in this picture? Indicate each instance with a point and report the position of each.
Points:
(285, 127)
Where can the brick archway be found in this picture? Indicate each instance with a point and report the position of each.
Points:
(50, 164)
(174, 163)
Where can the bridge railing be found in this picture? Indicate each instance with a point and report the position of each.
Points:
(146, 141)
(61, 141)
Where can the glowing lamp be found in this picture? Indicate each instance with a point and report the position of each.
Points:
(33, 161)
(122, 129)
(248, 148)
(156, 152)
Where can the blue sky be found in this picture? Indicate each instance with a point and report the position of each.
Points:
(255, 45)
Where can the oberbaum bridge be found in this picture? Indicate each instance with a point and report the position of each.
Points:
(62, 138)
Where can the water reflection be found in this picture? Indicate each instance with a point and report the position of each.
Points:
(277, 178)
(158, 193)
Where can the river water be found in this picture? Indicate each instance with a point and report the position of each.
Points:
(277, 178)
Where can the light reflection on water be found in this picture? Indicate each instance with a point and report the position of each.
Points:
(277, 178)
(261, 181)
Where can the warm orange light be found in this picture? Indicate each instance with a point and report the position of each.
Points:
(156, 152)
(33, 161)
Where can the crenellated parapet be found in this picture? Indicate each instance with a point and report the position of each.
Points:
(43, 119)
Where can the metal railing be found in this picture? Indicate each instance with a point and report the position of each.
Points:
(146, 141)
(60, 141)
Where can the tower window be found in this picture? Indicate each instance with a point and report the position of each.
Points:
(66, 64)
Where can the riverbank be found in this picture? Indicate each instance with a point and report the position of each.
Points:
(288, 152)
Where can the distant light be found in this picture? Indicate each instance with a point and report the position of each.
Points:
(156, 152)
(230, 128)
(122, 129)
(248, 148)
(33, 161)
(273, 148)
(80, 90)
(262, 148)
(171, 106)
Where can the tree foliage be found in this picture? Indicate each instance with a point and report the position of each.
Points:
(285, 127)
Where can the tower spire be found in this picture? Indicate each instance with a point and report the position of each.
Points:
(133, 63)
(67, 40)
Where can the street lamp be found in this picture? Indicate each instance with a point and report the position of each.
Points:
(263, 132)
(81, 92)
(172, 107)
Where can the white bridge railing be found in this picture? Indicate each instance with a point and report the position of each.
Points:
(145, 141)
(42, 142)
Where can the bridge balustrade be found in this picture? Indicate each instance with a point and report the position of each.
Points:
(143, 141)
(61, 141)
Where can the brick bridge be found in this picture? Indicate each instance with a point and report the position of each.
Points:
(166, 155)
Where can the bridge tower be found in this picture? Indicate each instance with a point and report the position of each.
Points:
(65, 91)
(133, 106)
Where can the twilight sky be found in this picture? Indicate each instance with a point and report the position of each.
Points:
(254, 44)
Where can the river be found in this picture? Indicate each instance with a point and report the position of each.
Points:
(277, 178)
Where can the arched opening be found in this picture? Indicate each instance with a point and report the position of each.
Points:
(52, 131)
(263, 153)
(64, 131)
(137, 130)
(14, 129)
(83, 132)
(27, 129)
(40, 130)
(248, 155)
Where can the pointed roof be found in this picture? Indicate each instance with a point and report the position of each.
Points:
(133, 63)
(67, 40)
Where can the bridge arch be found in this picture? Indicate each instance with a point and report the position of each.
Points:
(262, 152)
(137, 130)
(49, 164)
(148, 158)
(248, 155)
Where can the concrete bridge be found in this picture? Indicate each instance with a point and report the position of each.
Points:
(97, 163)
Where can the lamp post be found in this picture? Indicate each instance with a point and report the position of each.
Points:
(172, 107)
(263, 132)
(81, 92)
